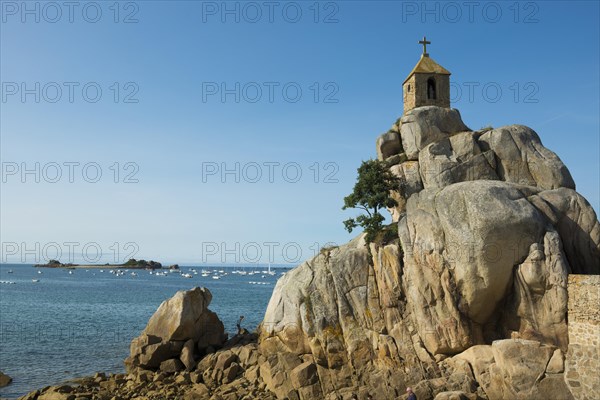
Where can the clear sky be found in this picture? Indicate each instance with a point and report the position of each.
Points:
(266, 91)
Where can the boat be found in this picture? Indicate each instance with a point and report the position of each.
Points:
(216, 277)
(10, 271)
(8, 282)
(39, 272)
(35, 280)
(187, 275)
(70, 272)
(133, 274)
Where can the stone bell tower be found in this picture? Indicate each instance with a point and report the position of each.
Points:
(428, 84)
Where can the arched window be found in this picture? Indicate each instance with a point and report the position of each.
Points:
(431, 95)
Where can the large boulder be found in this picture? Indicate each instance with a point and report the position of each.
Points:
(524, 160)
(516, 369)
(453, 159)
(486, 247)
(182, 326)
(184, 316)
(388, 145)
(424, 125)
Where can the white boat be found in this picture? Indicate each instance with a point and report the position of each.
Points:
(35, 280)
(133, 274)
(39, 272)
(101, 270)
(216, 277)
(8, 282)
(70, 272)
(187, 275)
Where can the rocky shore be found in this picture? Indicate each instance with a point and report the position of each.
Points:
(228, 376)
(469, 301)
(183, 353)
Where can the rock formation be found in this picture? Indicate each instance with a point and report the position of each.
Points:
(180, 331)
(468, 302)
(490, 225)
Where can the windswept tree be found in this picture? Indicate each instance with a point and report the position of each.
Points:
(371, 193)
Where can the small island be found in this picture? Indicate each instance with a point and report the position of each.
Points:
(130, 264)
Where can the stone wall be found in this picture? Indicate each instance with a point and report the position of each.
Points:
(415, 91)
(408, 91)
(582, 361)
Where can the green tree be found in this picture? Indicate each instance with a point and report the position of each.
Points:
(371, 193)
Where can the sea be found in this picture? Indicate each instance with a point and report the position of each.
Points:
(73, 323)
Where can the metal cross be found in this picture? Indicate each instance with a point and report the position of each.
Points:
(424, 42)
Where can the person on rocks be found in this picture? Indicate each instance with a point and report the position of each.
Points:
(411, 394)
(241, 330)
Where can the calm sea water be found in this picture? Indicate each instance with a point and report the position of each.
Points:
(70, 325)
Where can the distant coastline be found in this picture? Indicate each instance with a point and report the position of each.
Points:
(131, 264)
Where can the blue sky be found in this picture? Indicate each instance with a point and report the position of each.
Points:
(161, 118)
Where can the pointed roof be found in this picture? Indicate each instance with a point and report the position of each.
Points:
(426, 65)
